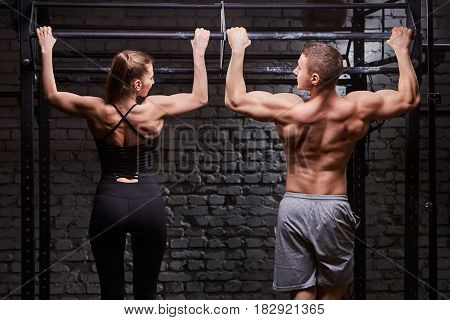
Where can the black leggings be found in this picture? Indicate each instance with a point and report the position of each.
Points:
(138, 209)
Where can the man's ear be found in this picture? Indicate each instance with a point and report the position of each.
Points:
(315, 79)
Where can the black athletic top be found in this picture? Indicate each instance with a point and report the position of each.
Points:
(129, 162)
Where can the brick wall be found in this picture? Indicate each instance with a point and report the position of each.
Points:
(221, 174)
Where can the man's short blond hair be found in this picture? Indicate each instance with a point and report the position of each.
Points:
(325, 60)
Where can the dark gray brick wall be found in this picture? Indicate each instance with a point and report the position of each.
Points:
(222, 175)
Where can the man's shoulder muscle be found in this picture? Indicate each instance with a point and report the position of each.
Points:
(289, 98)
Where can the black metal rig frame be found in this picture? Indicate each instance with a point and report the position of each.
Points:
(358, 81)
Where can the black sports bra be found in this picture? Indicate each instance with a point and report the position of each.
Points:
(128, 162)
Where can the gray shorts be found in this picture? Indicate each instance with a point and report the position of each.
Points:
(314, 242)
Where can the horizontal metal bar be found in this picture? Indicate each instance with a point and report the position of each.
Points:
(261, 70)
(188, 81)
(370, 70)
(381, 62)
(153, 28)
(373, 10)
(172, 56)
(368, 36)
(131, 5)
(315, 5)
(9, 6)
(351, 70)
(133, 35)
(94, 70)
(9, 94)
(143, 5)
(439, 46)
(181, 56)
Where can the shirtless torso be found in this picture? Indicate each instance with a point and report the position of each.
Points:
(319, 135)
(318, 145)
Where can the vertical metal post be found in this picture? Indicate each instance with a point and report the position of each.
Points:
(433, 99)
(44, 185)
(223, 30)
(44, 200)
(383, 29)
(359, 82)
(412, 173)
(27, 178)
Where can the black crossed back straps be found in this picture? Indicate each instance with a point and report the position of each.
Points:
(124, 118)
(121, 161)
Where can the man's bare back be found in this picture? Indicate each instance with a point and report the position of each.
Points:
(319, 144)
(319, 135)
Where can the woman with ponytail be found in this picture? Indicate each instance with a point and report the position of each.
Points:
(128, 198)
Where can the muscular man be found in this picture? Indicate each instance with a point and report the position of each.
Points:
(315, 226)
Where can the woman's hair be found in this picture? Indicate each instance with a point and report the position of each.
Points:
(126, 66)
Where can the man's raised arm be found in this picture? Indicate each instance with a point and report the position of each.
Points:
(259, 105)
(385, 104)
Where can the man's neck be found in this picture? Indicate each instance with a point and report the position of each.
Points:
(326, 93)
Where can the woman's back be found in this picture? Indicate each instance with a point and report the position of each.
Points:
(141, 123)
(126, 140)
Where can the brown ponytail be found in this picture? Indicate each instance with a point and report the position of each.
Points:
(125, 67)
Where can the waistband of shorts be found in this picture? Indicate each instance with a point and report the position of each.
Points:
(310, 196)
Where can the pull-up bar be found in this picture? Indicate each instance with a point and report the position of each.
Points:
(260, 70)
(143, 5)
(368, 36)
